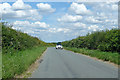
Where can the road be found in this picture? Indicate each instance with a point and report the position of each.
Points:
(67, 64)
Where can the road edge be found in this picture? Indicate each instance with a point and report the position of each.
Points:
(107, 62)
(32, 67)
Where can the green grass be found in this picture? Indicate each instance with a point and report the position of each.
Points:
(18, 51)
(17, 63)
(106, 56)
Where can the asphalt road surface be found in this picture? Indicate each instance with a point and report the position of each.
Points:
(66, 64)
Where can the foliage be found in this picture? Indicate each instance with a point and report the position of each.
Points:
(13, 40)
(103, 40)
(19, 51)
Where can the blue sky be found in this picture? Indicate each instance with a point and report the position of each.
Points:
(59, 21)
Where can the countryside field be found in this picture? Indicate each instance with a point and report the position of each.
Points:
(27, 29)
(21, 50)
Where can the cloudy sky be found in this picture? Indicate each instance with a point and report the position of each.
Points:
(59, 21)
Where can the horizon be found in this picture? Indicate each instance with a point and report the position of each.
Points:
(60, 21)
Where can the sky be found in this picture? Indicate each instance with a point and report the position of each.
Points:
(59, 21)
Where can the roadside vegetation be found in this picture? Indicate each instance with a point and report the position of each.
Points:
(105, 56)
(19, 51)
(13, 40)
(19, 62)
(104, 45)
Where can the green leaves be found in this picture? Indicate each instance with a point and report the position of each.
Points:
(13, 40)
(103, 40)
(19, 51)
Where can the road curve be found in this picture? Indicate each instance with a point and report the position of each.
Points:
(67, 64)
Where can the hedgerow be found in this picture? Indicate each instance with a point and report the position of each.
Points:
(13, 40)
(19, 51)
(107, 40)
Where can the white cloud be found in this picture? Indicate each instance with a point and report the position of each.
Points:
(106, 7)
(63, 29)
(45, 8)
(41, 24)
(115, 7)
(78, 24)
(19, 11)
(24, 25)
(31, 14)
(92, 19)
(5, 6)
(55, 30)
(69, 18)
(19, 5)
(79, 8)
(111, 22)
(101, 15)
(93, 27)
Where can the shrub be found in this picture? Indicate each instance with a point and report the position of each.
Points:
(103, 40)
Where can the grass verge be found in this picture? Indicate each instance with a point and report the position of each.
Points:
(105, 56)
(17, 63)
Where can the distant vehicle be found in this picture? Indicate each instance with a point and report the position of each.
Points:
(59, 46)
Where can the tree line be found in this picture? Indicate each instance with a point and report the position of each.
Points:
(105, 40)
(13, 40)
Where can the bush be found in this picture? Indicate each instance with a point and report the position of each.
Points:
(13, 40)
(103, 40)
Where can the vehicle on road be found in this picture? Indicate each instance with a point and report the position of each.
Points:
(59, 46)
